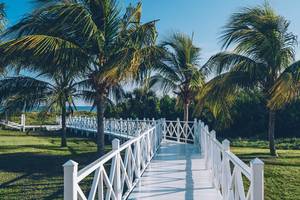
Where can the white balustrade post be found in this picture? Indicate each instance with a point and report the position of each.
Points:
(213, 137)
(257, 179)
(225, 179)
(128, 128)
(196, 133)
(138, 158)
(70, 180)
(164, 124)
(117, 181)
(121, 125)
(202, 138)
(178, 130)
(161, 130)
(23, 122)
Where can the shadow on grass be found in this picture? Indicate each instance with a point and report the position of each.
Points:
(41, 175)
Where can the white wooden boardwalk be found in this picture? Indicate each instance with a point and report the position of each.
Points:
(176, 172)
(159, 163)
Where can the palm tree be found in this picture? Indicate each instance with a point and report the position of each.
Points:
(180, 71)
(262, 48)
(52, 92)
(94, 36)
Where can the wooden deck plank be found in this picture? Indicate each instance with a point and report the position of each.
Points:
(176, 172)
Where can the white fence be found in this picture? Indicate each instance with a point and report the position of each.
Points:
(124, 128)
(23, 126)
(228, 170)
(181, 131)
(124, 163)
(127, 162)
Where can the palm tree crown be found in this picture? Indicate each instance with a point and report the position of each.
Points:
(180, 71)
(262, 48)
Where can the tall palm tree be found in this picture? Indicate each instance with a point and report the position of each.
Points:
(93, 35)
(262, 48)
(180, 71)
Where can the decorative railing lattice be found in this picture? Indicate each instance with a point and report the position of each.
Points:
(180, 131)
(116, 173)
(228, 170)
(124, 128)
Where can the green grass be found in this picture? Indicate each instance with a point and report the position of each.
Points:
(282, 174)
(31, 165)
(282, 143)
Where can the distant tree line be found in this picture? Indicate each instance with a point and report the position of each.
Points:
(249, 118)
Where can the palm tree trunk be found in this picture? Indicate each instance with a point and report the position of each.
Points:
(271, 132)
(100, 125)
(63, 125)
(186, 112)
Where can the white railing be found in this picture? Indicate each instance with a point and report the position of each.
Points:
(228, 170)
(180, 131)
(116, 173)
(234, 179)
(123, 127)
(23, 126)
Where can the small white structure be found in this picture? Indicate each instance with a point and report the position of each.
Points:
(123, 173)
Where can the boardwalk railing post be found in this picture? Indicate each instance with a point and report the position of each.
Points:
(257, 179)
(23, 122)
(138, 159)
(196, 133)
(178, 130)
(225, 179)
(211, 159)
(164, 128)
(117, 181)
(70, 180)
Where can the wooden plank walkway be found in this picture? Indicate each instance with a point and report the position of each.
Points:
(176, 172)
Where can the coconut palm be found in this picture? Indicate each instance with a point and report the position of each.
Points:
(180, 71)
(262, 48)
(92, 35)
(52, 92)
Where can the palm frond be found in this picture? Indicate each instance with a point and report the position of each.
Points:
(287, 87)
(44, 52)
(23, 93)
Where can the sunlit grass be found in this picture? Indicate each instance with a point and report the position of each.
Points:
(31, 165)
(282, 174)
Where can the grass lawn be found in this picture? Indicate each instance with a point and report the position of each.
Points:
(31, 166)
(282, 174)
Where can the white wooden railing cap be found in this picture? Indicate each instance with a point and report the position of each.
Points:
(70, 163)
(116, 144)
(226, 144)
(213, 133)
(257, 162)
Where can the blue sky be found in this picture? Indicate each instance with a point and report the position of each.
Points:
(204, 18)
